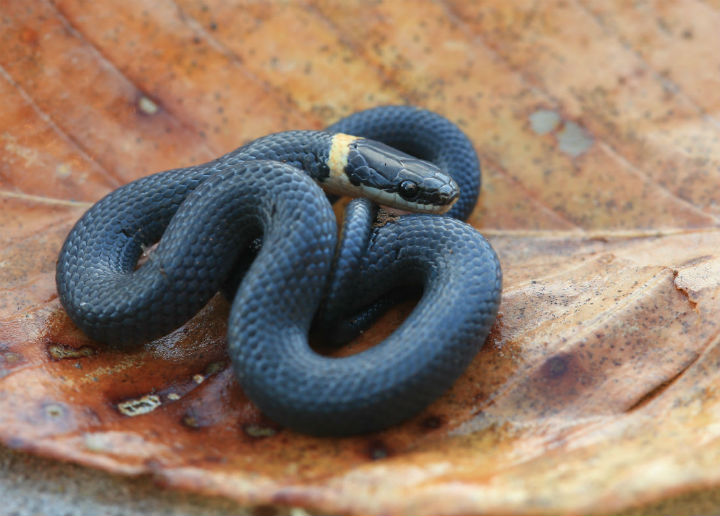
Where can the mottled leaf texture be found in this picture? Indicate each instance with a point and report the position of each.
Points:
(598, 125)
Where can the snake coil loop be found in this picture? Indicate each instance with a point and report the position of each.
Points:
(205, 216)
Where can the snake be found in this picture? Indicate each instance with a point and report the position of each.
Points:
(275, 190)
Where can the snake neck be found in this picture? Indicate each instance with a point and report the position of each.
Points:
(322, 156)
(309, 151)
(354, 166)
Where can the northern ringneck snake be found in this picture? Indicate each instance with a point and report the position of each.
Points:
(206, 217)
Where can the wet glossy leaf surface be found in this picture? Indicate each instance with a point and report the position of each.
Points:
(598, 125)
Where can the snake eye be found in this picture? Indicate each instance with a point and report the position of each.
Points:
(408, 190)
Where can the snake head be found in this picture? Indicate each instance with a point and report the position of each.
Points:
(390, 177)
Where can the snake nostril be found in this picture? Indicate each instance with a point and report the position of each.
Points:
(447, 194)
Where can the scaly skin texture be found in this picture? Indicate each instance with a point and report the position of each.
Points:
(95, 276)
(393, 380)
(208, 215)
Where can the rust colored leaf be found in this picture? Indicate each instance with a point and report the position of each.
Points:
(598, 125)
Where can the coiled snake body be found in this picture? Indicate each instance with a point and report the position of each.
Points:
(207, 217)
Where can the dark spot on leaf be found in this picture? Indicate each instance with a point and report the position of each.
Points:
(555, 367)
(378, 450)
(432, 422)
(29, 37)
(215, 367)
(54, 410)
(265, 510)
(54, 413)
(191, 420)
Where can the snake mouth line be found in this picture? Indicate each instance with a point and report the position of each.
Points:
(394, 200)
(341, 186)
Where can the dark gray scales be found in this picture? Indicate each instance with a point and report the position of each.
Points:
(205, 218)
